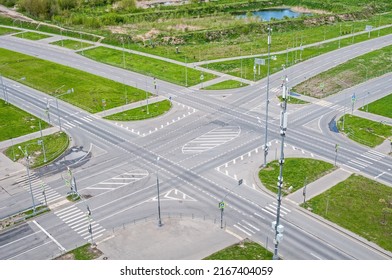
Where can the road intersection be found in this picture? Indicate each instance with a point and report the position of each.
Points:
(118, 179)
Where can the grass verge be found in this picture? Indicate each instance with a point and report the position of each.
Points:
(31, 36)
(85, 252)
(297, 172)
(22, 216)
(152, 67)
(245, 250)
(348, 74)
(364, 131)
(91, 93)
(55, 144)
(16, 122)
(380, 107)
(293, 100)
(229, 84)
(4, 31)
(359, 205)
(72, 44)
(144, 112)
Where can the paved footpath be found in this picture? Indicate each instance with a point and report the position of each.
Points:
(319, 186)
(177, 239)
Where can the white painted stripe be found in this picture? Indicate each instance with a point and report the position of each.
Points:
(64, 210)
(247, 233)
(250, 225)
(77, 122)
(266, 211)
(376, 153)
(72, 212)
(50, 236)
(248, 229)
(258, 215)
(370, 157)
(111, 183)
(351, 167)
(358, 163)
(363, 160)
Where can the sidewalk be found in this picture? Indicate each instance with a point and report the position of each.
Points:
(319, 186)
(27, 137)
(177, 239)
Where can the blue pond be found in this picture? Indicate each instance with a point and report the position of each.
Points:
(266, 15)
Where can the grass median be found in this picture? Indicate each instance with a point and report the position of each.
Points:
(34, 36)
(229, 84)
(159, 69)
(360, 205)
(382, 107)
(5, 31)
(245, 250)
(16, 122)
(144, 112)
(348, 74)
(72, 44)
(297, 172)
(91, 93)
(54, 145)
(364, 131)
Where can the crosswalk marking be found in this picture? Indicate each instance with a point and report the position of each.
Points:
(79, 222)
(211, 139)
(37, 187)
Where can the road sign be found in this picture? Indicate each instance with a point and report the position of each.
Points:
(221, 205)
(368, 28)
(353, 98)
(201, 77)
(259, 61)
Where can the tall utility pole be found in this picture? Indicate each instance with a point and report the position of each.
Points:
(283, 127)
(267, 100)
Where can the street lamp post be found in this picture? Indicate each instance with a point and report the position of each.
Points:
(267, 99)
(42, 140)
(25, 153)
(57, 103)
(159, 201)
(186, 73)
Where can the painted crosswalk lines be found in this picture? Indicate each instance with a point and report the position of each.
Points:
(80, 222)
(74, 123)
(365, 159)
(335, 107)
(41, 191)
(211, 139)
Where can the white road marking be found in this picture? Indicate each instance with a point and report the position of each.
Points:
(50, 236)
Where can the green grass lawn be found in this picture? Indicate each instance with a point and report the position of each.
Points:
(85, 252)
(148, 66)
(89, 90)
(229, 84)
(364, 131)
(31, 36)
(4, 30)
(72, 44)
(247, 250)
(381, 107)
(349, 74)
(296, 173)
(16, 122)
(55, 144)
(154, 110)
(293, 100)
(357, 204)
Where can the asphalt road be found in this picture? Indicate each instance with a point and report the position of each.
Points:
(119, 179)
